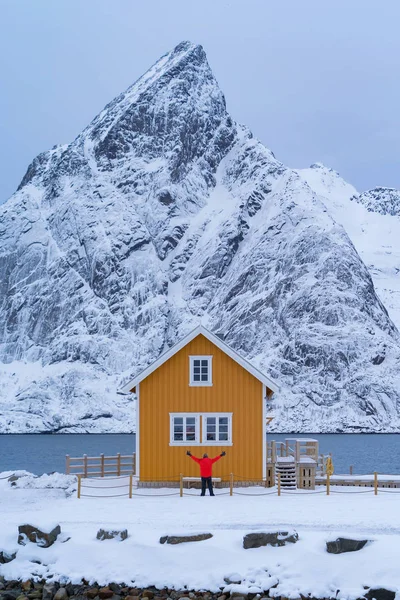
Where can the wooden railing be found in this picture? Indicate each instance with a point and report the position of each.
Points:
(100, 466)
(298, 448)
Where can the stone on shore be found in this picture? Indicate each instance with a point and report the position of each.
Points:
(278, 538)
(33, 534)
(380, 594)
(342, 545)
(181, 539)
(61, 594)
(6, 557)
(109, 534)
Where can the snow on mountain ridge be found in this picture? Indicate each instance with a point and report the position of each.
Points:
(373, 229)
(162, 213)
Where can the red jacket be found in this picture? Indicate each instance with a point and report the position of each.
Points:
(206, 465)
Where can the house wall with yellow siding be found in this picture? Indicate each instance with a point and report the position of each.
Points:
(167, 390)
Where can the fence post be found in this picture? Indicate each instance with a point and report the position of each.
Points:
(134, 463)
(85, 470)
(328, 484)
(79, 485)
(67, 464)
(102, 464)
(376, 483)
(181, 485)
(279, 484)
(231, 486)
(273, 451)
(351, 469)
(118, 464)
(130, 485)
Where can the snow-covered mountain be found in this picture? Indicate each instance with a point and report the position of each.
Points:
(372, 221)
(165, 212)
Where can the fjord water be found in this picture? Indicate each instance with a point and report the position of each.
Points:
(46, 453)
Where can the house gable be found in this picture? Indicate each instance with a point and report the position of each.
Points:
(270, 384)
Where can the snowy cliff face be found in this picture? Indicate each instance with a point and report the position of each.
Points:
(373, 229)
(163, 213)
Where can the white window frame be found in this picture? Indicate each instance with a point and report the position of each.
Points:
(204, 440)
(193, 383)
(184, 442)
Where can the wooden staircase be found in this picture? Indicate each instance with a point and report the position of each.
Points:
(286, 468)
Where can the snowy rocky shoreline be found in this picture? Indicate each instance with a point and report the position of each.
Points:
(52, 590)
(250, 545)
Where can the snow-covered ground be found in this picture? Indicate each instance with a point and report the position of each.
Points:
(304, 567)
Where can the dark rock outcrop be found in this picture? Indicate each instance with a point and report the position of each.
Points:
(341, 545)
(29, 533)
(109, 534)
(181, 539)
(278, 538)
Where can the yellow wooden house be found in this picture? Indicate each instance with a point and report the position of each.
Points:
(202, 396)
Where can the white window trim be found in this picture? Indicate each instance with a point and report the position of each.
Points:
(172, 442)
(206, 442)
(200, 383)
(200, 422)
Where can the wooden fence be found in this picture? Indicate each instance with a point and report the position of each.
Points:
(101, 466)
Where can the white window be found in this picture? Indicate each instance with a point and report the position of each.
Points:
(184, 429)
(200, 368)
(217, 429)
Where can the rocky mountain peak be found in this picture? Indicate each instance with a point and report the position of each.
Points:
(164, 211)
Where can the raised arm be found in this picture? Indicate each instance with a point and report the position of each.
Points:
(193, 457)
(213, 460)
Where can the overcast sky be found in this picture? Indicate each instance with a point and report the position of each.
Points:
(315, 80)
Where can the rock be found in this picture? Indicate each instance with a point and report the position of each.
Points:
(70, 589)
(380, 594)
(49, 589)
(105, 593)
(34, 595)
(180, 539)
(279, 538)
(233, 578)
(344, 545)
(107, 534)
(26, 586)
(9, 595)
(148, 594)
(12, 583)
(35, 535)
(22, 597)
(92, 593)
(132, 597)
(61, 594)
(6, 557)
(115, 588)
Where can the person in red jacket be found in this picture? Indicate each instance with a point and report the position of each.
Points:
(206, 470)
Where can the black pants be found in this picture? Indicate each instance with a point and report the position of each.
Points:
(206, 481)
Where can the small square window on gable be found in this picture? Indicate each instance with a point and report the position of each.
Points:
(200, 370)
